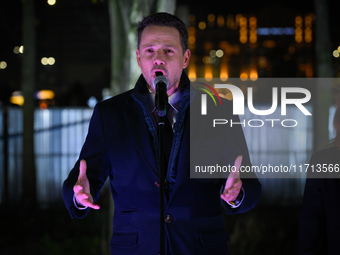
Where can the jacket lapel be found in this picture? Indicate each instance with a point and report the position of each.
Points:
(183, 158)
(142, 130)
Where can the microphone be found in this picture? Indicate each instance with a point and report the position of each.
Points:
(161, 100)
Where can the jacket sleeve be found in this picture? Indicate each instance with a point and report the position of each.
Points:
(98, 164)
(312, 229)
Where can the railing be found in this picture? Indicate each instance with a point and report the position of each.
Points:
(60, 133)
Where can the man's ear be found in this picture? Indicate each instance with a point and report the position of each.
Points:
(186, 59)
(138, 57)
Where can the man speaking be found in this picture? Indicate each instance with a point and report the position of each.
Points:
(122, 144)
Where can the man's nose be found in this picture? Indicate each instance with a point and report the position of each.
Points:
(159, 59)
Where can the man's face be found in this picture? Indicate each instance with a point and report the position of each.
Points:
(160, 51)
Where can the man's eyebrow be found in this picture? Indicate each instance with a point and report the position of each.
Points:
(152, 45)
(147, 45)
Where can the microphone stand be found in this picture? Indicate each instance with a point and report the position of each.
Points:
(161, 101)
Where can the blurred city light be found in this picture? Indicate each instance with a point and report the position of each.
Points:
(43, 105)
(220, 21)
(44, 61)
(16, 50)
(298, 20)
(269, 44)
(202, 25)
(51, 2)
(17, 98)
(192, 40)
(209, 60)
(253, 75)
(243, 76)
(192, 33)
(106, 93)
(211, 17)
(219, 53)
(224, 70)
(308, 29)
(298, 29)
(3, 65)
(224, 76)
(275, 31)
(192, 18)
(208, 73)
(211, 20)
(336, 54)
(192, 69)
(47, 61)
(45, 94)
(92, 102)
(243, 29)
(51, 61)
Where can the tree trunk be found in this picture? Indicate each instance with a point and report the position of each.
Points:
(119, 13)
(324, 69)
(5, 198)
(166, 6)
(28, 84)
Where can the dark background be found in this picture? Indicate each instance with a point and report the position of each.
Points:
(76, 34)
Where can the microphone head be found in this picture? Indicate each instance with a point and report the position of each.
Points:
(160, 78)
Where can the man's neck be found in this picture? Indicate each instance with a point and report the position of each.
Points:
(169, 92)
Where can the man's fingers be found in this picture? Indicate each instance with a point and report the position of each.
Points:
(88, 203)
(86, 200)
(81, 192)
(82, 196)
(232, 193)
(82, 168)
(238, 162)
(94, 206)
(77, 188)
(235, 174)
(233, 184)
(229, 197)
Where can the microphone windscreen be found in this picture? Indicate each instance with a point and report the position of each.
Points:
(160, 78)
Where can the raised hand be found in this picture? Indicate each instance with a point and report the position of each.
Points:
(233, 184)
(82, 188)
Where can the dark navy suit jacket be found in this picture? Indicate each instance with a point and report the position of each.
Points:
(122, 144)
(320, 217)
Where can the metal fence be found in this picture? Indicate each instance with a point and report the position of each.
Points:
(276, 144)
(60, 133)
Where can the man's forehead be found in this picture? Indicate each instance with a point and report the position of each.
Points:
(161, 33)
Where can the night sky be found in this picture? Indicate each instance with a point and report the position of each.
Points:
(78, 32)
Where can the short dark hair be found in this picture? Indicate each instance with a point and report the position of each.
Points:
(164, 19)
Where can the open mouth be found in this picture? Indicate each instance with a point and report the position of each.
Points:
(158, 72)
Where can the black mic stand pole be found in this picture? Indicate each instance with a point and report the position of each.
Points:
(161, 102)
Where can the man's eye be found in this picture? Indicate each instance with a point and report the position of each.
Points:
(168, 51)
(149, 50)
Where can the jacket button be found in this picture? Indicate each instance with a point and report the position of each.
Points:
(157, 184)
(168, 218)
